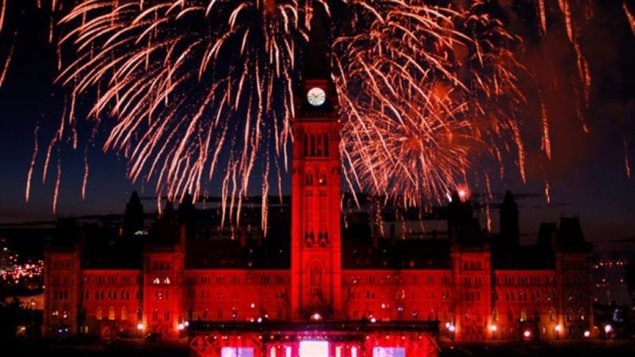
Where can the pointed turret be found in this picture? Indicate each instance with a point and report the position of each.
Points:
(509, 227)
(133, 216)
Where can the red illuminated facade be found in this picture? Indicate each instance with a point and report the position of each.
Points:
(378, 295)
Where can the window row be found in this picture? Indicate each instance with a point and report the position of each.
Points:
(263, 279)
(112, 295)
(112, 279)
(400, 295)
(429, 280)
(524, 296)
(60, 264)
(60, 294)
(111, 314)
(525, 280)
(316, 145)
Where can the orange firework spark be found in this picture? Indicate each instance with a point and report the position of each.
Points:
(7, 63)
(543, 16)
(627, 164)
(29, 175)
(545, 144)
(3, 7)
(629, 16)
(547, 191)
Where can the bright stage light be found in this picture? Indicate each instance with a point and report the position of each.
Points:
(314, 349)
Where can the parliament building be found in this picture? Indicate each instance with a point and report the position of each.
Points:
(324, 281)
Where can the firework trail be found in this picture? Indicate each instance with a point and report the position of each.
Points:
(196, 91)
(629, 16)
(7, 63)
(3, 8)
(200, 92)
(187, 85)
(4, 4)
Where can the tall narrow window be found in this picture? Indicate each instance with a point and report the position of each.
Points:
(312, 145)
(319, 145)
(322, 178)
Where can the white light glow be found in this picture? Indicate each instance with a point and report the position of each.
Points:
(389, 352)
(314, 349)
(237, 352)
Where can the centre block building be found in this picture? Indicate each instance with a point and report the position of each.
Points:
(314, 286)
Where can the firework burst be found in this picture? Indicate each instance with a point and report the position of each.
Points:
(199, 93)
(423, 103)
(196, 89)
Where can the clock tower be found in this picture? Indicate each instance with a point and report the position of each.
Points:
(316, 251)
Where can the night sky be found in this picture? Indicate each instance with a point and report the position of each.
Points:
(586, 173)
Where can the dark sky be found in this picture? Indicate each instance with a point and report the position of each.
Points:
(586, 173)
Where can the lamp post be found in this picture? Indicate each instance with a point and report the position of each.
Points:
(493, 328)
(140, 328)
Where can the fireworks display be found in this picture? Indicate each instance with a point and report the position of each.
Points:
(198, 94)
(419, 113)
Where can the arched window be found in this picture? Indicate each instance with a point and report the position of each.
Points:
(124, 313)
(552, 315)
(523, 315)
(316, 274)
(99, 314)
(494, 315)
(166, 281)
(111, 313)
(309, 178)
(581, 314)
(569, 315)
(322, 179)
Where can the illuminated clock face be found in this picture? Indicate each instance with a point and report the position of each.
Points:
(316, 96)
